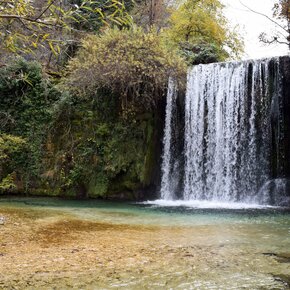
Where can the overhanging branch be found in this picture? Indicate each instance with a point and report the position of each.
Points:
(264, 15)
(44, 10)
(23, 18)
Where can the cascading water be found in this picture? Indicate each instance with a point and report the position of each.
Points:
(168, 178)
(228, 136)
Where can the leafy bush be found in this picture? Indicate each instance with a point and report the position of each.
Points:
(12, 159)
(134, 64)
(26, 97)
(200, 53)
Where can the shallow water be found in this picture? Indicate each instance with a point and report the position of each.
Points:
(142, 246)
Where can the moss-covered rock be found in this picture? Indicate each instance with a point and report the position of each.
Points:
(95, 151)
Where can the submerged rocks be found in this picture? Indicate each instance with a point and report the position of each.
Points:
(280, 257)
(2, 220)
(285, 279)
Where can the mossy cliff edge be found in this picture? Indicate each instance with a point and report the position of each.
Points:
(53, 143)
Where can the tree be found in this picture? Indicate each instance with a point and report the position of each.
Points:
(281, 14)
(281, 20)
(198, 26)
(27, 26)
(148, 13)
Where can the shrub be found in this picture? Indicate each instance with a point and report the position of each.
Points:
(134, 64)
(12, 158)
(26, 97)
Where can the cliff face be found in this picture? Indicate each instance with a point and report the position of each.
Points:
(282, 171)
(280, 118)
(98, 153)
(285, 71)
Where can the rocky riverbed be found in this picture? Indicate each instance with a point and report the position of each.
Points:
(51, 249)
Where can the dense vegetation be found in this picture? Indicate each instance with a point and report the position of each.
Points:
(82, 96)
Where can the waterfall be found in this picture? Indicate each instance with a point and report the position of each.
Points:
(167, 173)
(228, 131)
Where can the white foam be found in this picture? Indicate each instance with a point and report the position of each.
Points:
(205, 204)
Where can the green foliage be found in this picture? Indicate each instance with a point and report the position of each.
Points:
(12, 159)
(26, 97)
(26, 26)
(7, 184)
(200, 25)
(134, 64)
(200, 53)
(9, 145)
(93, 15)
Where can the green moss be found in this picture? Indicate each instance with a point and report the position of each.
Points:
(104, 155)
(98, 186)
(150, 155)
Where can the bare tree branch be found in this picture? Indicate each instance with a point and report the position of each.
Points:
(264, 15)
(19, 17)
(41, 14)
